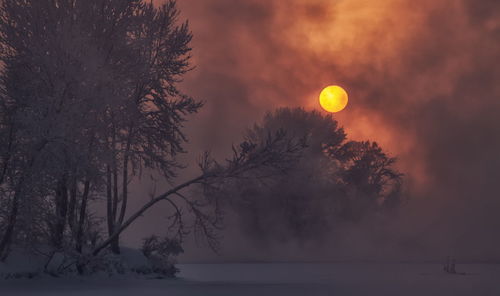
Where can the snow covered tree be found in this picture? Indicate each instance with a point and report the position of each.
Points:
(89, 100)
(90, 96)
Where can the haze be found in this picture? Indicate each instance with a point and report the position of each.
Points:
(421, 83)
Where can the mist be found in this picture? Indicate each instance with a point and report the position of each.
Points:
(421, 83)
(188, 147)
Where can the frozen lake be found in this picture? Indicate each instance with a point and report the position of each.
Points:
(281, 279)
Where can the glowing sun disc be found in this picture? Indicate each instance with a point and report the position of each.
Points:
(333, 98)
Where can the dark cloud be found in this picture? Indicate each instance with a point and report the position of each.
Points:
(423, 81)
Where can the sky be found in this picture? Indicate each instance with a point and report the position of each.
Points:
(422, 78)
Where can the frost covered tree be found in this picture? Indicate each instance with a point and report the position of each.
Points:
(76, 75)
(334, 181)
(88, 101)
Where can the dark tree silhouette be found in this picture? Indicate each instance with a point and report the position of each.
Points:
(333, 182)
(88, 101)
(369, 180)
(90, 91)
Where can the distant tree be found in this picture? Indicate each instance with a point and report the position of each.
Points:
(333, 182)
(370, 181)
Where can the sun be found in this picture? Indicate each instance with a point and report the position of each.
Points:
(333, 98)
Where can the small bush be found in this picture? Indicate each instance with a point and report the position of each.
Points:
(161, 253)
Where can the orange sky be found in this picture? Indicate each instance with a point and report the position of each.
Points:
(422, 78)
(284, 53)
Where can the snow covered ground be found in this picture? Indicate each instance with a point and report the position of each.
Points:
(280, 279)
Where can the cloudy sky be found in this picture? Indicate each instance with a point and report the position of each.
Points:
(423, 79)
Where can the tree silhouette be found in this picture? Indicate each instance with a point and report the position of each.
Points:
(369, 179)
(334, 181)
(90, 88)
(88, 101)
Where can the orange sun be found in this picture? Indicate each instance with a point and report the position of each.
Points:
(333, 98)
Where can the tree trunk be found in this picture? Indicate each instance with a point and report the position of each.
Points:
(82, 216)
(142, 210)
(72, 205)
(11, 222)
(115, 243)
(115, 190)
(111, 207)
(115, 248)
(5, 242)
(61, 203)
(125, 179)
(7, 156)
(9, 231)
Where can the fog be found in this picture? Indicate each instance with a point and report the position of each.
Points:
(422, 80)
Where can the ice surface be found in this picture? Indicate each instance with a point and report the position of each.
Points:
(280, 279)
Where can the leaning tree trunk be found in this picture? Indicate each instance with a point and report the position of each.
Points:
(142, 210)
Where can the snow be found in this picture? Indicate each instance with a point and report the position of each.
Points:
(279, 279)
(25, 262)
(134, 258)
(22, 261)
